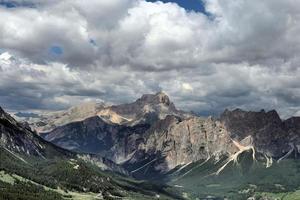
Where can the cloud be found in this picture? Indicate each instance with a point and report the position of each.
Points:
(242, 54)
(187, 87)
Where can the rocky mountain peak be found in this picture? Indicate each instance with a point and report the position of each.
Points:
(147, 109)
(6, 116)
(158, 98)
(270, 134)
(240, 118)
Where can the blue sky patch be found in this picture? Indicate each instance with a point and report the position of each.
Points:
(56, 50)
(15, 4)
(8, 4)
(195, 5)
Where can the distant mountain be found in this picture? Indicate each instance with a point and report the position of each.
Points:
(26, 115)
(32, 168)
(146, 110)
(49, 121)
(151, 146)
(151, 139)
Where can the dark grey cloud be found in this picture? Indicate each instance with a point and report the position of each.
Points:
(244, 54)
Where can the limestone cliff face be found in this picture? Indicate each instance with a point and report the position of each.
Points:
(189, 140)
(181, 141)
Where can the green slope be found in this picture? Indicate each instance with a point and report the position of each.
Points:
(239, 181)
(68, 178)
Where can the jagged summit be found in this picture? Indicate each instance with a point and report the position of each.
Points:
(6, 116)
(147, 109)
(243, 122)
(239, 111)
(49, 121)
(270, 134)
(157, 98)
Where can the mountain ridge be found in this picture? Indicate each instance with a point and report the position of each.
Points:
(28, 161)
(165, 145)
(174, 138)
(147, 109)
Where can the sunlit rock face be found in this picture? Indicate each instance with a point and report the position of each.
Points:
(189, 140)
(146, 110)
(48, 121)
(181, 141)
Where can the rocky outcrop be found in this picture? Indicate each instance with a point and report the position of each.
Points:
(270, 134)
(189, 140)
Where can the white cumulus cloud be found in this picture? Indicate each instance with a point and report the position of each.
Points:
(243, 54)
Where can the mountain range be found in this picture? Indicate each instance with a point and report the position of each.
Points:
(32, 168)
(240, 155)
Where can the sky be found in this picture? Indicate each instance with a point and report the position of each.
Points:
(206, 55)
(189, 5)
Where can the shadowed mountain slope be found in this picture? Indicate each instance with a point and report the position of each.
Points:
(45, 171)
